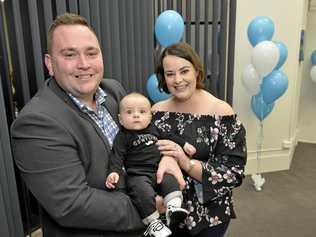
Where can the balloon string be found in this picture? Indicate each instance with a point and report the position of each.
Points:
(259, 146)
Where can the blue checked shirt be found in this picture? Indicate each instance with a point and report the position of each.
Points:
(102, 117)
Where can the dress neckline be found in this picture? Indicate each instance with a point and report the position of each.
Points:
(214, 116)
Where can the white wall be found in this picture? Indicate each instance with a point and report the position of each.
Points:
(279, 128)
(307, 106)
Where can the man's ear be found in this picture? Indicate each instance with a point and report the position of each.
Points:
(48, 63)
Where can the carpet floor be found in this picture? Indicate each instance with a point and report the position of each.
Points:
(286, 206)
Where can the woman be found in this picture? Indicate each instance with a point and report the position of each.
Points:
(218, 136)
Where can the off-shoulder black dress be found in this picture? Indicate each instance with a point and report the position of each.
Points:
(221, 148)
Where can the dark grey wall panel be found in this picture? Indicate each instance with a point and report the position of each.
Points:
(11, 222)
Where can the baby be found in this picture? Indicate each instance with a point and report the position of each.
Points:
(134, 149)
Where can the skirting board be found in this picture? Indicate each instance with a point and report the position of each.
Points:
(270, 161)
(307, 141)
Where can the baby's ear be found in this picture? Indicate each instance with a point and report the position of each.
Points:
(120, 120)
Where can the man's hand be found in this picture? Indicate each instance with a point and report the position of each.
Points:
(169, 165)
(111, 180)
(160, 205)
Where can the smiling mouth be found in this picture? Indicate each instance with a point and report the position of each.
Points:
(84, 76)
(180, 88)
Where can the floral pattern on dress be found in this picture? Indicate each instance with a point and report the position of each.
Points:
(221, 148)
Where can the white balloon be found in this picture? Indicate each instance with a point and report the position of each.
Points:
(264, 57)
(313, 73)
(251, 79)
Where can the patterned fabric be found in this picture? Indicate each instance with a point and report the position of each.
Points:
(102, 117)
(221, 148)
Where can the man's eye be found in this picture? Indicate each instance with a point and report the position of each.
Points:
(69, 55)
(93, 53)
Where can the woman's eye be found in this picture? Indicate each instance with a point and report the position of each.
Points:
(169, 74)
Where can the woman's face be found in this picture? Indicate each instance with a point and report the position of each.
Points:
(180, 76)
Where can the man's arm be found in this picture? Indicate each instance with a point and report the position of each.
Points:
(47, 156)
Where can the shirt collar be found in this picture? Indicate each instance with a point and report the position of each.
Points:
(99, 96)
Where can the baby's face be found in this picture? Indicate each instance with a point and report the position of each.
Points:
(135, 113)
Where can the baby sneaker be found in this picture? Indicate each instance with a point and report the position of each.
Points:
(157, 229)
(175, 215)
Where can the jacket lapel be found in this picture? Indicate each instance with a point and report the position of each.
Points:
(51, 83)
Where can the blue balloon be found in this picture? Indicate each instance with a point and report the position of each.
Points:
(313, 57)
(152, 90)
(261, 28)
(259, 107)
(273, 86)
(283, 54)
(169, 28)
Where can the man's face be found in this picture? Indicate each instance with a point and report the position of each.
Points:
(76, 60)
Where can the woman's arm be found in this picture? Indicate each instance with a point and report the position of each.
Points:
(192, 167)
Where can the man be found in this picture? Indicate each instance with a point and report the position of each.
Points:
(62, 138)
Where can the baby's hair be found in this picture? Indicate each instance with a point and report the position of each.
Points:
(133, 95)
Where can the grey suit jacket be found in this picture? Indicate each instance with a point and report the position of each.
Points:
(63, 158)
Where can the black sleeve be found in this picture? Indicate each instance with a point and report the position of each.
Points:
(173, 137)
(118, 152)
(224, 169)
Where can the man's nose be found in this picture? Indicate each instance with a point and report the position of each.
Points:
(83, 62)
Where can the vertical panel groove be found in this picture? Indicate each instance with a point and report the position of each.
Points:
(222, 51)
(37, 50)
(231, 51)
(84, 9)
(23, 80)
(214, 69)
(48, 13)
(61, 6)
(95, 17)
(188, 22)
(73, 6)
(206, 16)
(197, 26)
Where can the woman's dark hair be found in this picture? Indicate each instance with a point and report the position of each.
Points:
(181, 50)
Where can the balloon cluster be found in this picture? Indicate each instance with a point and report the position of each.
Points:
(169, 28)
(263, 78)
(313, 69)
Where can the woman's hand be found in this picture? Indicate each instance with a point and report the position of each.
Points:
(169, 165)
(170, 148)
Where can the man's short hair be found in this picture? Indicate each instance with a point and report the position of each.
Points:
(65, 19)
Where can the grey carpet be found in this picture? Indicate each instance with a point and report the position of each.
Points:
(286, 207)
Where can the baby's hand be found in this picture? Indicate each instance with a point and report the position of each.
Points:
(111, 180)
(189, 149)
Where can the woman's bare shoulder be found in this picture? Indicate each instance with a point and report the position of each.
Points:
(222, 108)
(217, 106)
(160, 106)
